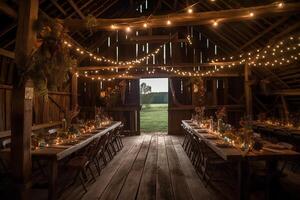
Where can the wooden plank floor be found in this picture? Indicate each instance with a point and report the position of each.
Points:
(148, 167)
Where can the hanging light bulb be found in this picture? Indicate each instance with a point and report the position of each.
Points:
(128, 29)
(280, 5)
(215, 24)
(190, 11)
(145, 25)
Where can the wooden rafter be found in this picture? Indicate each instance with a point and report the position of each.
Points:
(182, 19)
(6, 9)
(54, 2)
(287, 92)
(6, 53)
(75, 7)
(267, 30)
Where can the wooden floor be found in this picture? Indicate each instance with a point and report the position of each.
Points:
(148, 167)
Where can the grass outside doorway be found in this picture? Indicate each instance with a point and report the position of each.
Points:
(154, 118)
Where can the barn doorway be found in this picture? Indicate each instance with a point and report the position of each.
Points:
(154, 103)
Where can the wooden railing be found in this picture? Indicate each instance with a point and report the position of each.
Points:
(4, 134)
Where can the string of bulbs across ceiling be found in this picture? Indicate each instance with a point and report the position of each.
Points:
(253, 58)
(281, 53)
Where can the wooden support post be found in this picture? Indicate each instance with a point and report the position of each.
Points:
(248, 92)
(285, 108)
(74, 90)
(214, 92)
(22, 102)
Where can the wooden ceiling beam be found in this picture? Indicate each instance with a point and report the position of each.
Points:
(287, 92)
(106, 7)
(74, 6)
(182, 19)
(12, 26)
(54, 2)
(286, 31)
(6, 53)
(82, 7)
(270, 28)
(7, 10)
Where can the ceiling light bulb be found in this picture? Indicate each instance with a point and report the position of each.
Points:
(280, 5)
(215, 24)
(251, 14)
(128, 29)
(145, 25)
(168, 22)
(113, 26)
(190, 11)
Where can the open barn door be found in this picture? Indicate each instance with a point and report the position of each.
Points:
(180, 103)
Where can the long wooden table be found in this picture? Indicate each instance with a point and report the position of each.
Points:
(288, 131)
(54, 154)
(234, 154)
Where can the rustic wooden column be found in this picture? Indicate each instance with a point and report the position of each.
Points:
(214, 92)
(22, 101)
(74, 90)
(248, 92)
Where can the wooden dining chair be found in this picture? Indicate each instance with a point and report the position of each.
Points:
(211, 164)
(83, 162)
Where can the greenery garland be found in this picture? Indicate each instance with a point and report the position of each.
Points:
(51, 61)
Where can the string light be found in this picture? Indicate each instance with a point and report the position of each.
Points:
(169, 22)
(280, 5)
(113, 62)
(215, 24)
(145, 25)
(128, 29)
(251, 14)
(113, 26)
(190, 11)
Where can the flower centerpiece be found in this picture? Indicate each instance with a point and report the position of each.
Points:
(247, 131)
(221, 115)
(199, 114)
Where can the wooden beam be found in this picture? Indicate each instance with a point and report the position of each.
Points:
(182, 19)
(54, 2)
(106, 7)
(286, 31)
(267, 30)
(6, 53)
(74, 89)
(7, 10)
(175, 65)
(74, 6)
(248, 92)
(285, 108)
(22, 102)
(286, 92)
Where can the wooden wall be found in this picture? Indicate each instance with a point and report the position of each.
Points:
(43, 111)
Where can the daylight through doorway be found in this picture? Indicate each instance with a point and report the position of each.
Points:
(154, 102)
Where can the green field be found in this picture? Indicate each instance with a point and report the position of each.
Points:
(154, 118)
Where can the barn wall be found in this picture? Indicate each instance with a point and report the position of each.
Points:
(43, 111)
